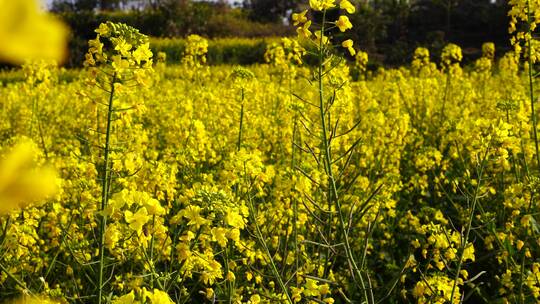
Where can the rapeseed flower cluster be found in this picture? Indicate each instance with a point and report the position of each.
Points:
(195, 52)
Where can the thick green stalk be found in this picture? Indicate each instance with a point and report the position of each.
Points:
(105, 186)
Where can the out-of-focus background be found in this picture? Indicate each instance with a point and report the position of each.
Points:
(389, 30)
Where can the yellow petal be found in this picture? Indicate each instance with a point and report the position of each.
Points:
(21, 182)
(28, 34)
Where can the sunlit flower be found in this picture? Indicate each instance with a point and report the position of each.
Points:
(344, 23)
(21, 181)
(320, 5)
(136, 221)
(304, 31)
(348, 44)
(299, 18)
(348, 6)
(28, 34)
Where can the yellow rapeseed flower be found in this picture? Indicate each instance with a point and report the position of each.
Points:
(343, 23)
(192, 213)
(33, 300)
(158, 297)
(468, 253)
(103, 30)
(304, 31)
(320, 5)
(348, 6)
(319, 37)
(235, 220)
(219, 235)
(136, 221)
(311, 288)
(21, 182)
(125, 299)
(28, 34)
(121, 46)
(299, 18)
(142, 53)
(255, 299)
(348, 44)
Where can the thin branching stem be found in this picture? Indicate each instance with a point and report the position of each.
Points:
(241, 127)
(333, 198)
(465, 238)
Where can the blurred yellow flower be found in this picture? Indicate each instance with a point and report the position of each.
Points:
(103, 30)
(235, 220)
(158, 297)
(255, 299)
(320, 5)
(318, 37)
(125, 299)
(121, 46)
(344, 23)
(32, 300)
(304, 31)
(468, 253)
(299, 18)
(21, 183)
(28, 34)
(142, 53)
(348, 44)
(219, 235)
(348, 6)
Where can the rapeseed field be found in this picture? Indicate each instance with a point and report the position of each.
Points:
(138, 181)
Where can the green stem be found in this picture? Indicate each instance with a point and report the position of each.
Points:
(267, 252)
(469, 223)
(105, 185)
(531, 84)
(239, 143)
(295, 208)
(34, 110)
(521, 275)
(228, 283)
(332, 191)
(11, 276)
(152, 239)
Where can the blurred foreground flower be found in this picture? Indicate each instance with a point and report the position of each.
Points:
(26, 33)
(32, 300)
(21, 182)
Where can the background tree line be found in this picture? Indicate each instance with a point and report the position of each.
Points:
(388, 29)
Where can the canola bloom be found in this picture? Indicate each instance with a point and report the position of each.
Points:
(33, 300)
(26, 33)
(21, 182)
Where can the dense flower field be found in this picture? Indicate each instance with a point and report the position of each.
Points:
(138, 182)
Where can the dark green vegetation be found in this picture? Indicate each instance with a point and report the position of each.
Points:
(390, 27)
